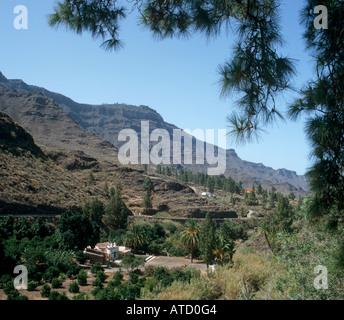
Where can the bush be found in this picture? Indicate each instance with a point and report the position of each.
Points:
(56, 283)
(74, 287)
(98, 283)
(51, 273)
(80, 256)
(32, 285)
(73, 271)
(45, 291)
(81, 296)
(134, 278)
(53, 295)
(4, 279)
(82, 278)
(101, 276)
(96, 267)
(62, 296)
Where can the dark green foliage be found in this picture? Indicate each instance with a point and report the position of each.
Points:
(54, 295)
(51, 273)
(190, 237)
(233, 231)
(207, 239)
(80, 256)
(82, 277)
(56, 283)
(94, 210)
(116, 212)
(32, 285)
(45, 291)
(323, 104)
(132, 262)
(96, 267)
(77, 231)
(101, 276)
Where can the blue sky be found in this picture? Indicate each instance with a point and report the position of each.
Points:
(177, 78)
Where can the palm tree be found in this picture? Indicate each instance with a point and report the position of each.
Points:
(189, 237)
(224, 250)
(135, 238)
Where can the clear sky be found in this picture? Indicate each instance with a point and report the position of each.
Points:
(177, 78)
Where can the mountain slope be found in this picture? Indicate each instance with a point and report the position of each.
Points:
(50, 126)
(106, 121)
(48, 181)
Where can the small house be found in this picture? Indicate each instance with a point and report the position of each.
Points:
(105, 252)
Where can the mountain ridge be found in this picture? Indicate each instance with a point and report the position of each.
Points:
(105, 121)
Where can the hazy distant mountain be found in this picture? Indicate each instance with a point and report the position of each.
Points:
(106, 121)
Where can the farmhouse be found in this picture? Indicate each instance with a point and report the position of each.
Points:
(105, 252)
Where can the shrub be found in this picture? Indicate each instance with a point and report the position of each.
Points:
(73, 271)
(56, 283)
(134, 278)
(45, 291)
(4, 279)
(74, 287)
(62, 296)
(101, 276)
(80, 256)
(82, 278)
(96, 267)
(81, 296)
(32, 285)
(53, 295)
(97, 283)
(51, 273)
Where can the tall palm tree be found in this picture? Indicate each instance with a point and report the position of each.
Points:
(189, 237)
(135, 238)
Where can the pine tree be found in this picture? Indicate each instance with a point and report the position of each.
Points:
(116, 212)
(207, 239)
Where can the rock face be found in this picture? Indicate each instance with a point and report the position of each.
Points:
(94, 130)
(51, 126)
(14, 139)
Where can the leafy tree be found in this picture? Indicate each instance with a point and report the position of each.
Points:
(231, 230)
(190, 237)
(94, 210)
(76, 230)
(132, 262)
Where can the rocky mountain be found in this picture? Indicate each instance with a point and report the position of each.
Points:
(47, 181)
(104, 122)
(50, 126)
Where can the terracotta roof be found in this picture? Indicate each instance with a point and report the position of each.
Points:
(95, 251)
